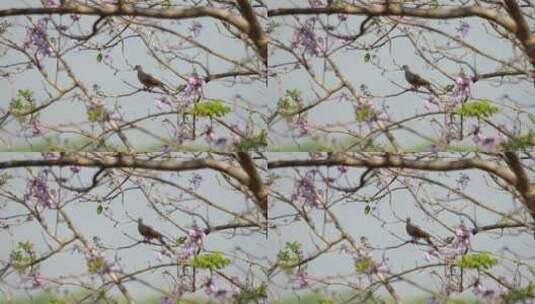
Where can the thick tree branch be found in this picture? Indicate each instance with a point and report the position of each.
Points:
(522, 184)
(394, 161)
(126, 161)
(522, 31)
(130, 10)
(396, 9)
(256, 184)
(256, 33)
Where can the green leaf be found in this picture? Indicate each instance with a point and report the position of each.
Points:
(251, 295)
(363, 265)
(367, 209)
(99, 57)
(100, 209)
(214, 260)
(209, 108)
(477, 260)
(520, 142)
(96, 264)
(477, 108)
(289, 103)
(364, 113)
(291, 255)
(367, 57)
(518, 295)
(23, 103)
(253, 143)
(95, 113)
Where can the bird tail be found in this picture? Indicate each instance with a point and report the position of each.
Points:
(164, 243)
(428, 240)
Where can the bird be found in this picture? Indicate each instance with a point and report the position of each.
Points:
(148, 232)
(418, 233)
(148, 80)
(416, 80)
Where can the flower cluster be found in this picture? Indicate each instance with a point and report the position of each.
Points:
(463, 29)
(487, 294)
(219, 293)
(302, 126)
(302, 278)
(37, 189)
(193, 243)
(306, 190)
(36, 36)
(487, 142)
(193, 91)
(50, 3)
(219, 142)
(36, 279)
(195, 181)
(461, 90)
(195, 29)
(306, 38)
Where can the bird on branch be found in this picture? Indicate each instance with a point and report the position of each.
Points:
(418, 233)
(148, 232)
(416, 80)
(148, 80)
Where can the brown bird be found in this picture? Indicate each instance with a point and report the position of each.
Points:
(148, 232)
(418, 233)
(416, 80)
(148, 80)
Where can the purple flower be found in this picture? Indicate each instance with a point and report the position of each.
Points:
(302, 279)
(166, 300)
(461, 89)
(428, 104)
(433, 300)
(212, 290)
(74, 17)
(429, 255)
(219, 142)
(195, 181)
(193, 242)
(37, 279)
(306, 190)
(486, 293)
(158, 256)
(50, 3)
(463, 181)
(35, 127)
(161, 102)
(36, 36)
(195, 29)
(316, 3)
(193, 90)
(75, 169)
(306, 38)
(342, 17)
(342, 169)
(463, 29)
(37, 189)
(302, 125)
(461, 242)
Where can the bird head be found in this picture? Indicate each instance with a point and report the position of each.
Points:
(405, 67)
(140, 220)
(408, 220)
(138, 68)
